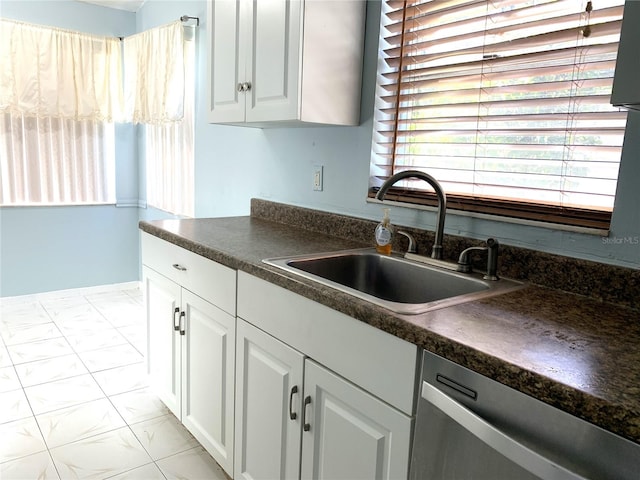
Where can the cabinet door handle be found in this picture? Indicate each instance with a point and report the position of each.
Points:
(247, 86)
(176, 325)
(240, 87)
(306, 426)
(292, 415)
(182, 322)
(177, 266)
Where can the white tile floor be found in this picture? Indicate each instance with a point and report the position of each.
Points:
(74, 401)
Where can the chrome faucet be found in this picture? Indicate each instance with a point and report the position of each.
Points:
(464, 265)
(436, 251)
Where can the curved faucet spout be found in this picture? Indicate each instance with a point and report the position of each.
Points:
(436, 251)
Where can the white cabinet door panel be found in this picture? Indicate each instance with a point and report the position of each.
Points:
(226, 42)
(208, 377)
(352, 434)
(162, 299)
(275, 62)
(269, 377)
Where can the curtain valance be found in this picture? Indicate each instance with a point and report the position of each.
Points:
(155, 75)
(50, 72)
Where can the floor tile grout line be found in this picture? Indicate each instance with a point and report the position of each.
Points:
(111, 323)
(135, 296)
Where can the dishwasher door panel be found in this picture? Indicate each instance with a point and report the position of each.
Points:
(469, 427)
(448, 451)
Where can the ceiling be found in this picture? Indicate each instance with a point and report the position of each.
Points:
(130, 5)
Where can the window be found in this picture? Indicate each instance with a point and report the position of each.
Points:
(505, 102)
(53, 161)
(59, 94)
(160, 79)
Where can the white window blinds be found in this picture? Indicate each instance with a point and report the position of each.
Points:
(55, 161)
(505, 102)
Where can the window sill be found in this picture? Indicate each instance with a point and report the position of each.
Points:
(600, 232)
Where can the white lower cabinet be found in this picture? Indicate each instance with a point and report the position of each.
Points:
(272, 384)
(191, 351)
(348, 433)
(269, 376)
(295, 418)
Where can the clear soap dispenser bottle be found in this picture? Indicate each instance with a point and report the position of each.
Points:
(384, 234)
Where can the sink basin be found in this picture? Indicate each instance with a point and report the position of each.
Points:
(401, 285)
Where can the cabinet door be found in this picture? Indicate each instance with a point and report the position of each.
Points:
(350, 434)
(162, 304)
(268, 406)
(227, 39)
(274, 66)
(208, 365)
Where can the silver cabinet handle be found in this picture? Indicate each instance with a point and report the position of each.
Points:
(182, 323)
(177, 266)
(240, 87)
(496, 439)
(292, 415)
(306, 426)
(176, 325)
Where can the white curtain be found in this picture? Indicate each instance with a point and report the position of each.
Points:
(169, 136)
(50, 72)
(155, 75)
(59, 92)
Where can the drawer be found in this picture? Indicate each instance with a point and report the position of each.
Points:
(214, 282)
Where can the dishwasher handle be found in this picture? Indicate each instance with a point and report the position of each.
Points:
(502, 443)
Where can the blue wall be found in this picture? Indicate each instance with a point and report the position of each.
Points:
(54, 248)
(234, 164)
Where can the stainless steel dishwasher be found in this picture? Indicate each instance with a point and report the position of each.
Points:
(470, 427)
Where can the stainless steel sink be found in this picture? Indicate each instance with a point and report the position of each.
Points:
(401, 285)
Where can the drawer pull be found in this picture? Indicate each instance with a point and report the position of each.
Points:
(177, 266)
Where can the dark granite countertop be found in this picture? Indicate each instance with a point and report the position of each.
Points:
(578, 354)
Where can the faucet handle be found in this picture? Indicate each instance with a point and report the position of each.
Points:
(464, 262)
(412, 241)
(492, 259)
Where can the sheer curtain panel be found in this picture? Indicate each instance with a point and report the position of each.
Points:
(160, 93)
(155, 75)
(53, 73)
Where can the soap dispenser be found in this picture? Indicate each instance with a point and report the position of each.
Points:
(384, 234)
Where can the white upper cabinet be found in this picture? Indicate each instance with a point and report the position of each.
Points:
(285, 62)
(626, 89)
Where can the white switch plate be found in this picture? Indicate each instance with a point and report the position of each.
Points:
(317, 178)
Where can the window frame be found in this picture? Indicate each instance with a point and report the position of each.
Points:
(507, 209)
